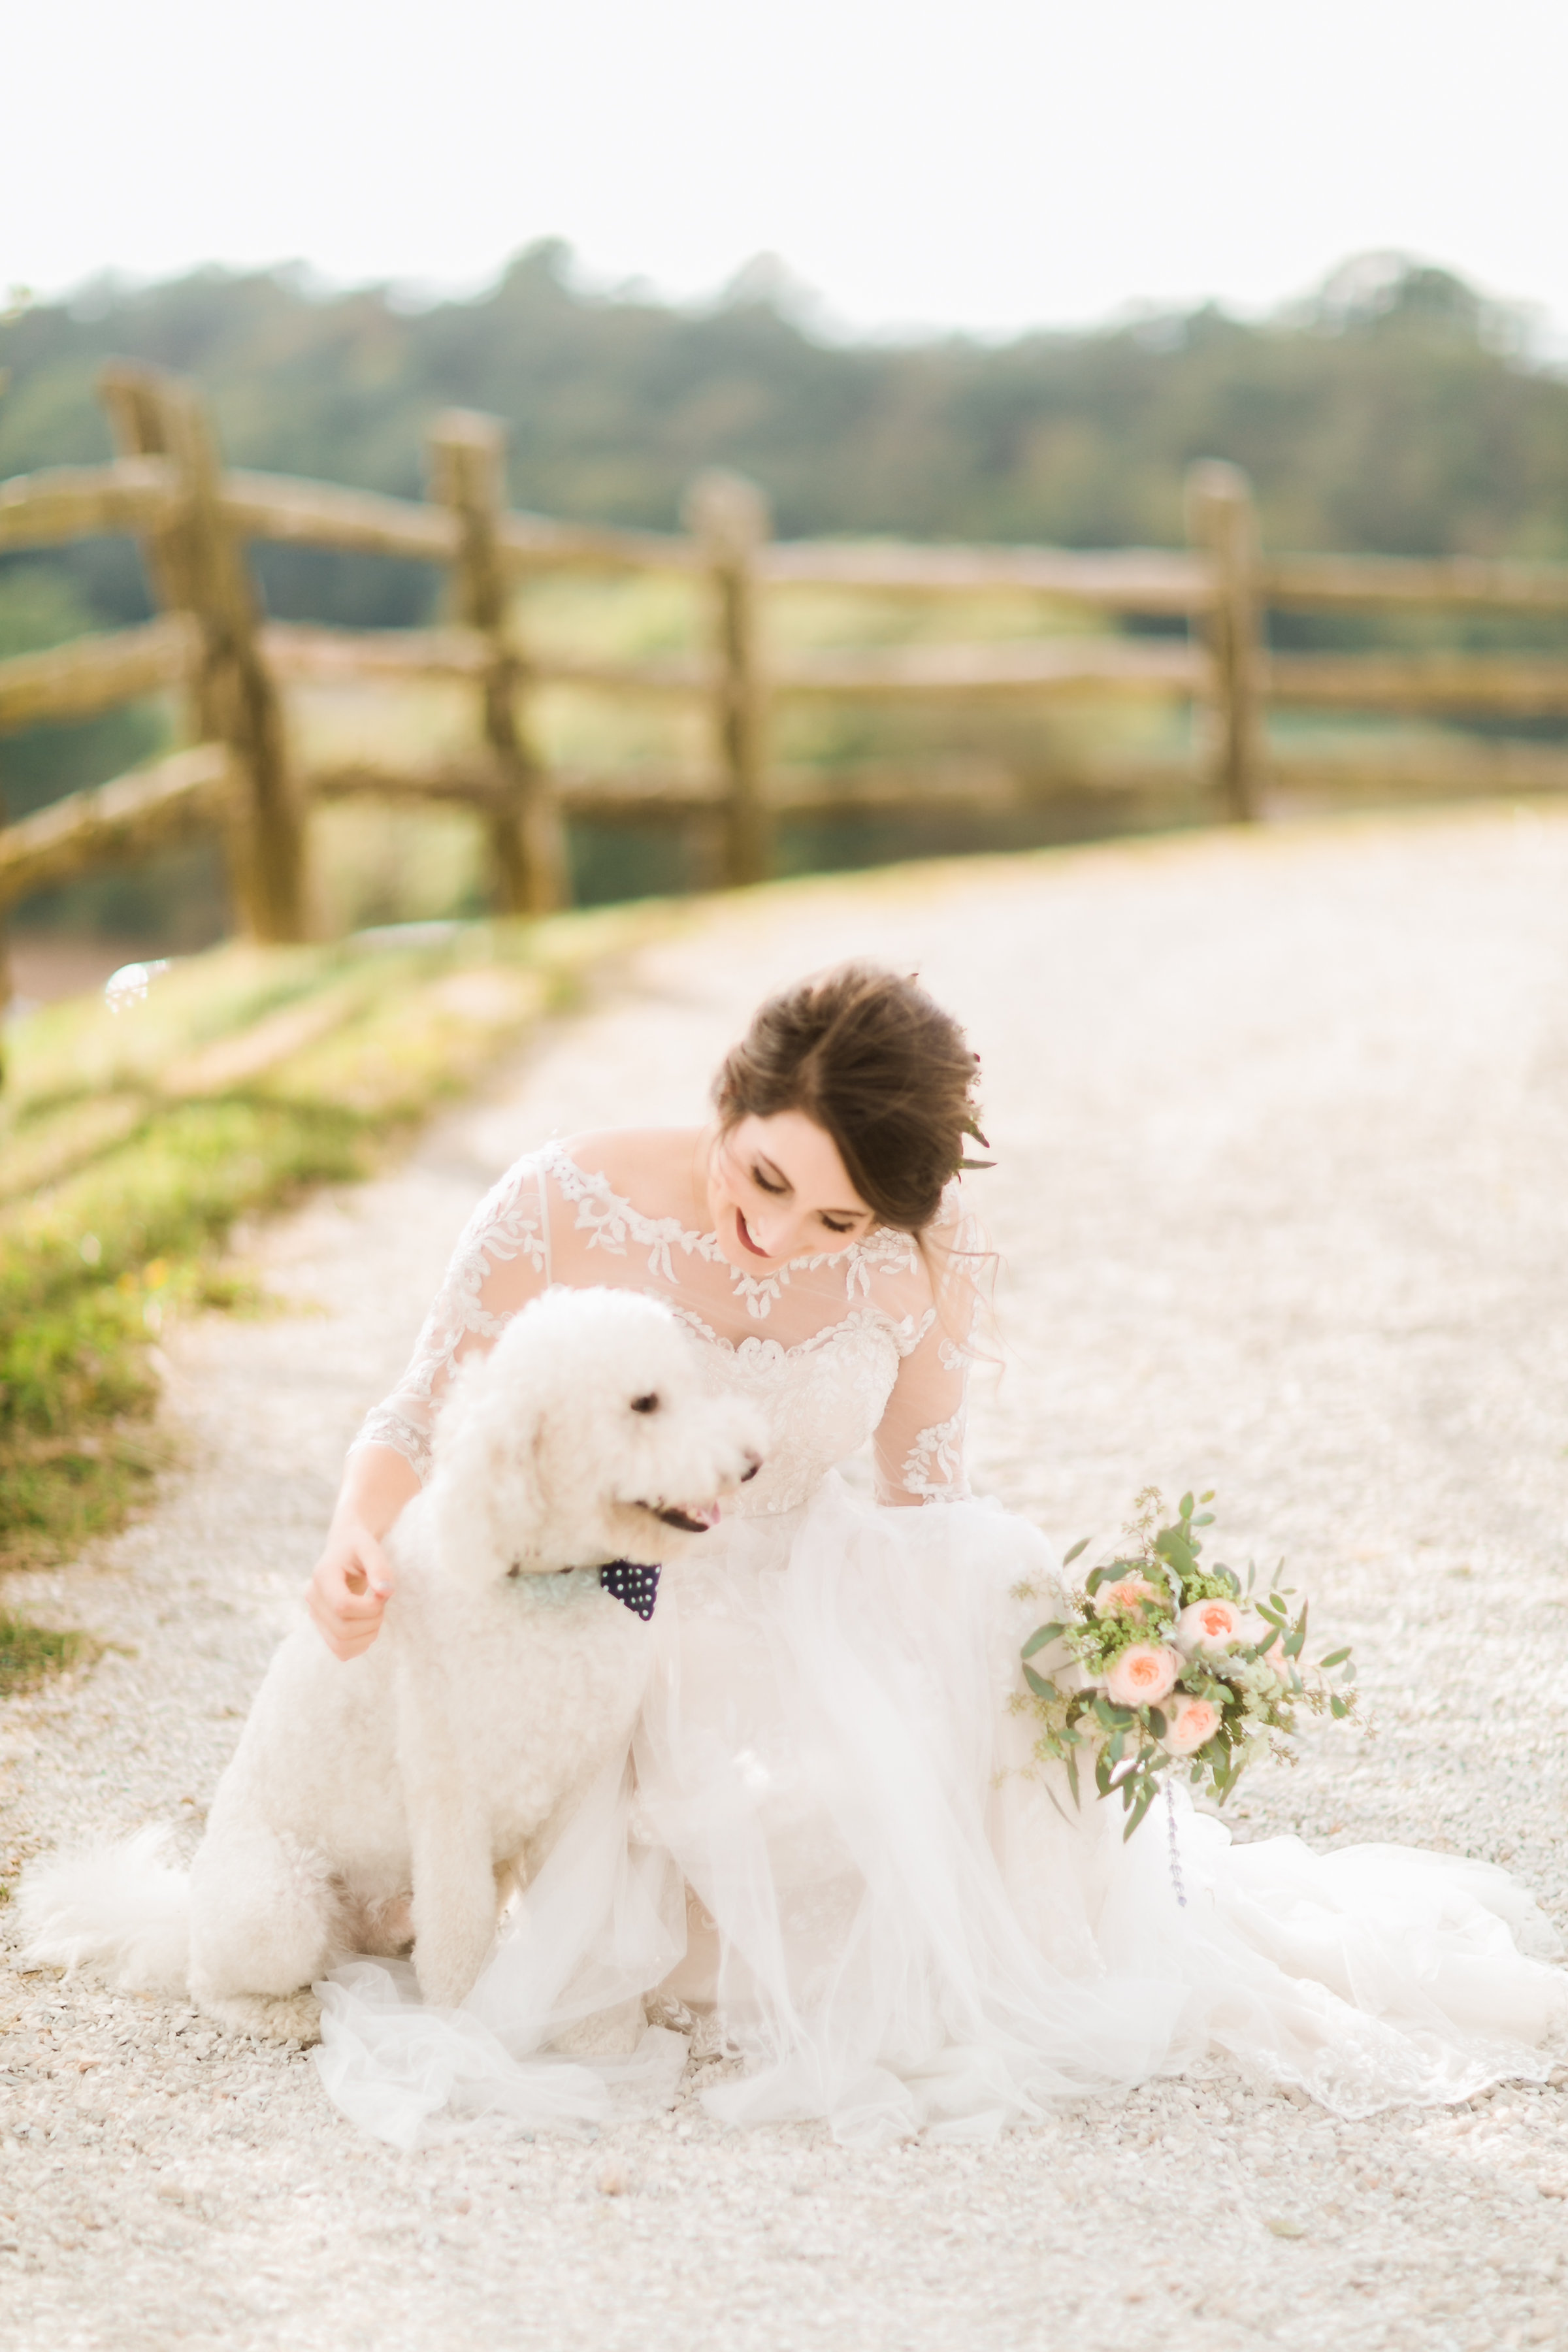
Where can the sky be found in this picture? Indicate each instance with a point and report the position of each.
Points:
(918, 164)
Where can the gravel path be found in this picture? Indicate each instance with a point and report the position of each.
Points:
(1282, 1124)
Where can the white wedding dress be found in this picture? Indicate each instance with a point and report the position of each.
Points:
(827, 1852)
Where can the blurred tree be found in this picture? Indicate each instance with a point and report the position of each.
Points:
(1397, 410)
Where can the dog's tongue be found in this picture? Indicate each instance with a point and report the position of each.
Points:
(705, 1513)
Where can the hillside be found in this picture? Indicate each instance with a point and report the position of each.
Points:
(1398, 412)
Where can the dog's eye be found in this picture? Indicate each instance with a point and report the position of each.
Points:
(644, 1403)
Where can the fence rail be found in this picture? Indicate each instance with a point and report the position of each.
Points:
(212, 647)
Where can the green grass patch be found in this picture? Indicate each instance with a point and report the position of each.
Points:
(130, 1143)
(29, 1654)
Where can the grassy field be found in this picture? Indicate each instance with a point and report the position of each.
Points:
(131, 1141)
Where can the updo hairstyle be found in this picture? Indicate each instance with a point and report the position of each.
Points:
(880, 1066)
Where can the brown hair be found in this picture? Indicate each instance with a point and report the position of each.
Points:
(872, 1058)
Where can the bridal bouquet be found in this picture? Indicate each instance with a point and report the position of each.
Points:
(1167, 1663)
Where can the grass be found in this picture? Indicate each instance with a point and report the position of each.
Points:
(30, 1652)
(130, 1143)
(373, 863)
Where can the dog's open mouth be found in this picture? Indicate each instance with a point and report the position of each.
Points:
(693, 1519)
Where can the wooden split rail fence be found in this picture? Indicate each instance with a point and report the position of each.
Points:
(212, 645)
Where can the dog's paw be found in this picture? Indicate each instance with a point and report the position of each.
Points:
(281, 2017)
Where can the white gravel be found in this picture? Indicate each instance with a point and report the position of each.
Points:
(1282, 1124)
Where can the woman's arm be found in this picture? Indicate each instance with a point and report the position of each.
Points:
(352, 1581)
(919, 1444)
(501, 1261)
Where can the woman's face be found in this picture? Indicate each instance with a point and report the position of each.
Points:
(777, 1190)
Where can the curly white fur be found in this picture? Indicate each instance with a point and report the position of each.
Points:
(448, 1757)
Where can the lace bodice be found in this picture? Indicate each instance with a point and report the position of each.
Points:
(858, 1344)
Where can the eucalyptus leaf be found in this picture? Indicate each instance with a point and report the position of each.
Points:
(1145, 1799)
(1038, 1641)
(1081, 1546)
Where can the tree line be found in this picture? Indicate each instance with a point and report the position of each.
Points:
(1397, 411)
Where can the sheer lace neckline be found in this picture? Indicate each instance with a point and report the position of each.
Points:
(882, 1249)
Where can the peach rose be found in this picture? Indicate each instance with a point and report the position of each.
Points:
(1128, 1593)
(1211, 1625)
(1142, 1675)
(1189, 1724)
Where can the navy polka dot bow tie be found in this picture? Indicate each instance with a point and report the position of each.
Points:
(633, 1584)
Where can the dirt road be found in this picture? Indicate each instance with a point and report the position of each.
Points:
(1282, 1126)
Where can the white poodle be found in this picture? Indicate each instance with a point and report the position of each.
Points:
(451, 1753)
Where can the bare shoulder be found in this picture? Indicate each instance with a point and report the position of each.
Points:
(644, 1164)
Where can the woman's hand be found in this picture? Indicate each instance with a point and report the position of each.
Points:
(352, 1580)
(348, 1589)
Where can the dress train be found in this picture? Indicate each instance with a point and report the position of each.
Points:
(829, 1846)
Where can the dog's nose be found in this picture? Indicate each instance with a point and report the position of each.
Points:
(753, 1463)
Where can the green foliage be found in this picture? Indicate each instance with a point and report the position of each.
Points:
(42, 606)
(39, 607)
(1399, 412)
(28, 1653)
(245, 1075)
(1247, 1672)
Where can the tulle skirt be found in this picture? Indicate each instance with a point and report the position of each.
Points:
(829, 1855)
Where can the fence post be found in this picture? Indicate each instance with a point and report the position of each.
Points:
(730, 516)
(197, 565)
(528, 843)
(1222, 518)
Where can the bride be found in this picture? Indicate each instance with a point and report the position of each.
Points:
(829, 1855)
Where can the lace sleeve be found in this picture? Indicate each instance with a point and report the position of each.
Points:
(919, 1444)
(500, 1263)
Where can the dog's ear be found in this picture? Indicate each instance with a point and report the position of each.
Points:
(488, 1468)
(513, 1484)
